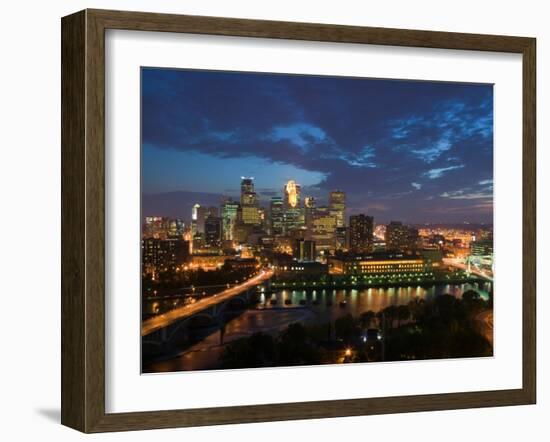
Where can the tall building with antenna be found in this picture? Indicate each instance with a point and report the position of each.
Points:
(249, 202)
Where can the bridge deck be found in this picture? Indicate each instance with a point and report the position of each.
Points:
(164, 320)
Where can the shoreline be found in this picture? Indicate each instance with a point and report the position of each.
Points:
(360, 285)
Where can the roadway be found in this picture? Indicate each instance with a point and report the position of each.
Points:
(156, 323)
(454, 262)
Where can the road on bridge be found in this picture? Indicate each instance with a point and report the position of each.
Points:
(454, 262)
(156, 323)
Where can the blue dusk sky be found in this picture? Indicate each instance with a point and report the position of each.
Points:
(401, 150)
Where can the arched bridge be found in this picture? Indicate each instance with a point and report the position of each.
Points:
(167, 328)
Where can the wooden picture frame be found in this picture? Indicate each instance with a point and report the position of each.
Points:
(83, 220)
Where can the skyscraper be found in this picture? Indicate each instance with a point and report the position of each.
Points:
(276, 215)
(293, 211)
(213, 231)
(323, 229)
(229, 219)
(199, 214)
(292, 194)
(176, 228)
(310, 205)
(337, 206)
(360, 233)
(249, 202)
(247, 185)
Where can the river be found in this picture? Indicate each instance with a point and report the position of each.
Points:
(317, 307)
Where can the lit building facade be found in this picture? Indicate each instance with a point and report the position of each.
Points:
(378, 264)
(337, 206)
(323, 229)
(208, 261)
(198, 216)
(156, 227)
(276, 215)
(249, 213)
(159, 255)
(361, 233)
(229, 219)
(176, 228)
(293, 215)
(292, 194)
(163, 228)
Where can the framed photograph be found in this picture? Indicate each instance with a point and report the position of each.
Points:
(270, 220)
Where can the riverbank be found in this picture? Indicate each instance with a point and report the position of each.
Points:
(365, 284)
(312, 306)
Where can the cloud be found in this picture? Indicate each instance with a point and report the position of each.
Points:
(430, 154)
(369, 138)
(481, 191)
(303, 135)
(461, 195)
(485, 207)
(438, 173)
(428, 137)
(362, 159)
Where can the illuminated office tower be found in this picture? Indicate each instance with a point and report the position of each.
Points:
(249, 202)
(276, 215)
(197, 217)
(292, 195)
(360, 233)
(248, 194)
(250, 215)
(176, 228)
(229, 219)
(323, 229)
(293, 211)
(194, 217)
(337, 206)
(199, 214)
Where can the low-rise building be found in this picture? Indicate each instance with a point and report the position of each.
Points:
(378, 264)
(208, 261)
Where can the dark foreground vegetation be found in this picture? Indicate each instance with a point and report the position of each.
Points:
(443, 327)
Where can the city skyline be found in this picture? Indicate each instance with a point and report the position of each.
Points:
(412, 151)
(304, 220)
